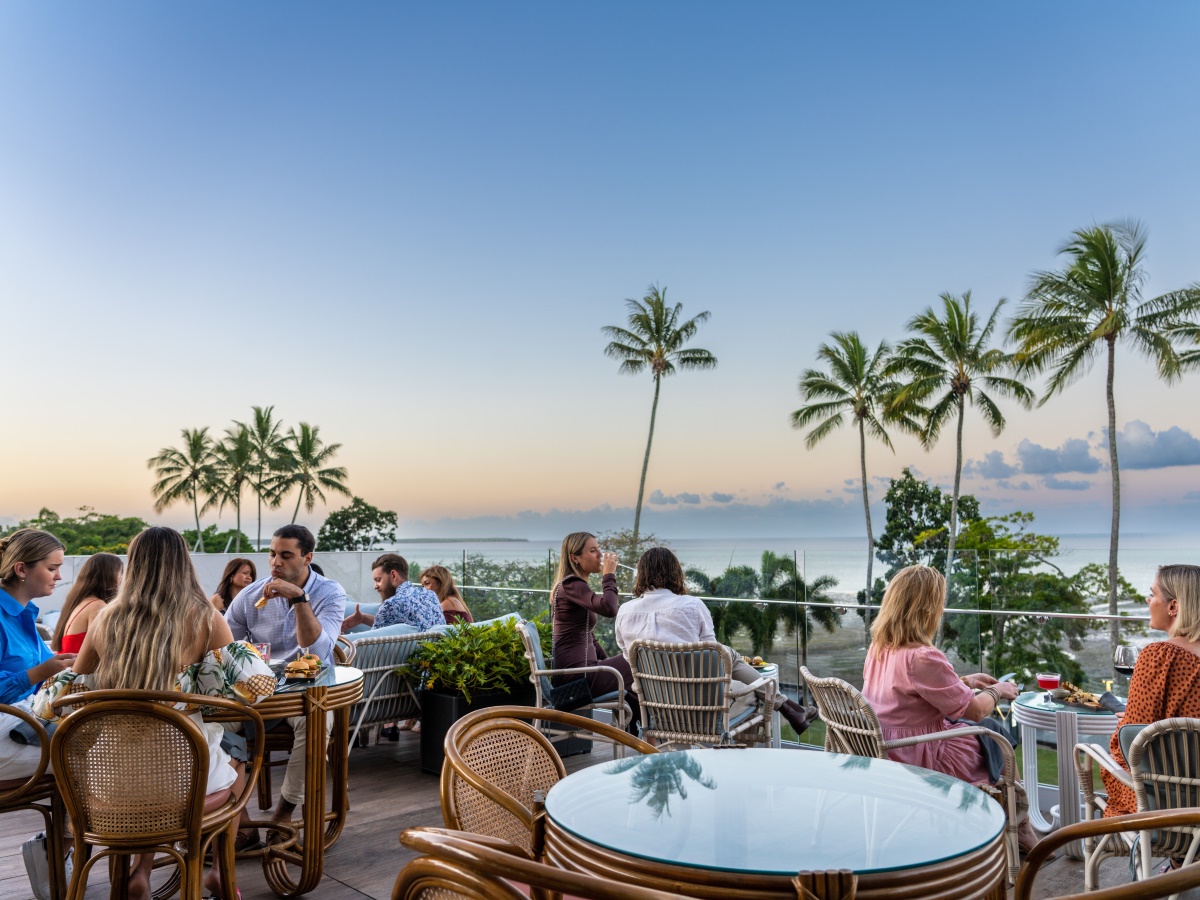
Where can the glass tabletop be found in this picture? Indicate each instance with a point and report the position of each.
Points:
(330, 676)
(1036, 700)
(774, 812)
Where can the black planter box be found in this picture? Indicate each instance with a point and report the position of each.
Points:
(441, 710)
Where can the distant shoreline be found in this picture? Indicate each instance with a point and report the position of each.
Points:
(478, 540)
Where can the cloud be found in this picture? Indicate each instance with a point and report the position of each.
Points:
(1056, 484)
(1141, 447)
(658, 498)
(688, 498)
(991, 466)
(779, 486)
(1072, 456)
(1014, 486)
(718, 497)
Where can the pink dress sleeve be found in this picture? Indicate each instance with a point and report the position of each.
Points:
(934, 680)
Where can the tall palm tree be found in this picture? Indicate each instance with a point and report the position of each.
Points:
(949, 363)
(235, 468)
(308, 468)
(1071, 315)
(185, 474)
(270, 448)
(654, 340)
(855, 385)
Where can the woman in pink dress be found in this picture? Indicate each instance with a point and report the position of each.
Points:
(914, 689)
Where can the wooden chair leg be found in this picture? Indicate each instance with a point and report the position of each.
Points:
(118, 870)
(264, 782)
(228, 856)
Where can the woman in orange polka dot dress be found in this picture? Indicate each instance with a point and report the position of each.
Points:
(1166, 679)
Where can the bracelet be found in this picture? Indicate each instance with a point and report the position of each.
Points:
(992, 693)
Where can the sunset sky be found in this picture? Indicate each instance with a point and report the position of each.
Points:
(407, 224)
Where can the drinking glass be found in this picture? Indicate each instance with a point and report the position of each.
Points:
(1049, 681)
(264, 650)
(1124, 659)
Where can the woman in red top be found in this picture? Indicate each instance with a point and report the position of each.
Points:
(439, 580)
(94, 586)
(575, 610)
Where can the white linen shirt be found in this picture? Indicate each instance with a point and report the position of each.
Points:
(663, 616)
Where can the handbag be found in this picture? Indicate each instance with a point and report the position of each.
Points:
(992, 754)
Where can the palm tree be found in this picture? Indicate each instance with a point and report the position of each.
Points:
(950, 364)
(855, 384)
(1072, 315)
(235, 467)
(270, 448)
(308, 468)
(654, 340)
(185, 474)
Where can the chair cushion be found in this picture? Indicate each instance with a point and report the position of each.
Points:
(213, 802)
(610, 697)
(369, 608)
(742, 717)
(1125, 736)
(385, 631)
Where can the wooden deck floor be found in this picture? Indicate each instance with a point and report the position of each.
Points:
(388, 793)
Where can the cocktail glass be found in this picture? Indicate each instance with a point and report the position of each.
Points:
(1049, 681)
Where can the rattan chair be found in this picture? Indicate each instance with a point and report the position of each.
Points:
(687, 696)
(574, 695)
(132, 770)
(1170, 884)
(496, 764)
(39, 793)
(473, 866)
(386, 696)
(1164, 774)
(851, 726)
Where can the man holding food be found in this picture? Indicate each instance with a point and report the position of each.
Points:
(299, 613)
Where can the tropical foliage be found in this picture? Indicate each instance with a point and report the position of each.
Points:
(185, 473)
(359, 526)
(89, 532)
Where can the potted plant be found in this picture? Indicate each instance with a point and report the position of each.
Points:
(469, 668)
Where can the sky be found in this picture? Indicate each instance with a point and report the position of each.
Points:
(408, 223)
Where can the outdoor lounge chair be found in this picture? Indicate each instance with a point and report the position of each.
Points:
(1164, 774)
(852, 727)
(687, 696)
(573, 696)
(386, 696)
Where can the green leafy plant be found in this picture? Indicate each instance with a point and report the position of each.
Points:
(485, 658)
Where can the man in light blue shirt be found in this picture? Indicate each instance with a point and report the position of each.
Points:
(301, 609)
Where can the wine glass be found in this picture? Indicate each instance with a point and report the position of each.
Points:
(1049, 681)
(1124, 659)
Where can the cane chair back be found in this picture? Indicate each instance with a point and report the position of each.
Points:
(133, 770)
(686, 695)
(457, 865)
(39, 793)
(851, 725)
(386, 696)
(497, 766)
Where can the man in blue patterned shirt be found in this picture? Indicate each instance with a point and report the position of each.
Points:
(404, 603)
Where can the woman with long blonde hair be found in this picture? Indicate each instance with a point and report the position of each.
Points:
(575, 608)
(440, 580)
(162, 634)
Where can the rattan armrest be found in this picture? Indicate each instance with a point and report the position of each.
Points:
(1105, 760)
(595, 668)
(410, 837)
(43, 742)
(1006, 750)
(741, 690)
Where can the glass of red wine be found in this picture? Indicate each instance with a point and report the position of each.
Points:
(1124, 659)
(1049, 681)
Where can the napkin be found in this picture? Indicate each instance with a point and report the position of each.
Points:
(1112, 703)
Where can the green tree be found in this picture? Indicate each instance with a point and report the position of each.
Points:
(854, 386)
(918, 524)
(235, 467)
(654, 340)
(185, 474)
(88, 533)
(527, 583)
(270, 454)
(216, 540)
(949, 364)
(1072, 315)
(308, 470)
(359, 526)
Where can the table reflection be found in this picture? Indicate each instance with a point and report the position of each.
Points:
(656, 777)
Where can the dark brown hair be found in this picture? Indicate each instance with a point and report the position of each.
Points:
(300, 535)
(225, 588)
(657, 569)
(100, 576)
(392, 562)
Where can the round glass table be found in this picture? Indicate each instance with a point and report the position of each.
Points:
(1033, 712)
(751, 819)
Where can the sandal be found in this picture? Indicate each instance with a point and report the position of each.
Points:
(246, 841)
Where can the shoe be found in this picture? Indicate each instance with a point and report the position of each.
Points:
(37, 865)
(247, 841)
(799, 717)
(391, 733)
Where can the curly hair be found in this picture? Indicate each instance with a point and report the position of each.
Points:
(659, 568)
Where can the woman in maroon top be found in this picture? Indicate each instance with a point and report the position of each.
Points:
(439, 580)
(576, 608)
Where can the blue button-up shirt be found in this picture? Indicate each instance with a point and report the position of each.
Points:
(21, 647)
(275, 623)
(411, 605)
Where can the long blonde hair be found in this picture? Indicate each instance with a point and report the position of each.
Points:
(572, 546)
(446, 588)
(1181, 583)
(911, 610)
(26, 545)
(157, 618)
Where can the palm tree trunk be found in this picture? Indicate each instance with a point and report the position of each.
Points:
(1114, 635)
(862, 458)
(637, 515)
(196, 510)
(300, 497)
(954, 500)
(258, 492)
(238, 508)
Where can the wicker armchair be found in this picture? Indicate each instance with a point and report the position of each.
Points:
(132, 770)
(496, 764)
(1170, 884)
(574, 695)
(471, 866)
(386, 696)
(1164, 774)
(39, 793)
(687, 696)
(851, 726)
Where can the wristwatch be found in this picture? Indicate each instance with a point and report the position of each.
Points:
(303, 598)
